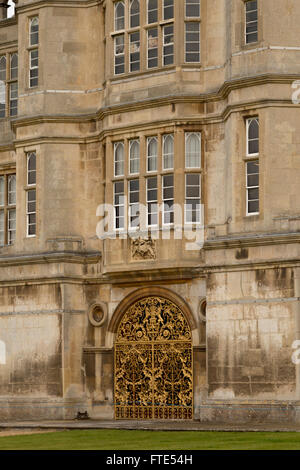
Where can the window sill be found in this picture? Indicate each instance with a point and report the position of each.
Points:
(140, 74)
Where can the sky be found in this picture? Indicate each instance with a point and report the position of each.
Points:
(11, 9)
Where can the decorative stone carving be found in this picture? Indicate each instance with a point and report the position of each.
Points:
(97, 314)
(143, 249)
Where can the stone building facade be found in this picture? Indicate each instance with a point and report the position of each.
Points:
(161, 103)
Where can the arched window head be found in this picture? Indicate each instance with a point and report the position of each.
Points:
(119, 16)
(193, 150)
(119, 158)
(134, 156)
(34, 31)
(31, 168)
(2, 68)
(152, 154)
(168, 151)
(253, 136)
(134, 13)
(14, 66)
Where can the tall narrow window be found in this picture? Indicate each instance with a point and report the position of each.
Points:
(134, 51)
(252, 187)
(252, 136)
(168, 9)
(134, 13)
(119, 54)
(7, 209)
(168, 152)
(34, 31)
(2, 85)
(34, 68)
(134, 157)
(192, 8)
(193, 150)
(251, 21)
(168, 45)
(119, 202)
(119, 16)
(168, 199)
(152, 48)
(192, 42)
(134, 200)
(31, 194)
(152, 154)
(152, 202)
(192, 198)
(13, 87)
(119, 158)
(152, 11)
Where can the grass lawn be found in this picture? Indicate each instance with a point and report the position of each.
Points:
(112, 439)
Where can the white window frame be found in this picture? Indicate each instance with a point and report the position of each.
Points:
(119, 205)
(164, 7)
(33, 67)
(153, 201)
(156, 9)
(130, 205)
(154, 157)
(248, 122)
(167, 44)
(115, 17)
(130, 15)
(189, 42)
(165, 137)
(119, 55)
(151, 48)
(131, 142)
(116, 145)
(198, 134)
(167, 224)
(28, 157)
(192, 198)
(247, 23)
(32, 20)
(185, 10)
(130, 52)
(31, 213)
(251, 187)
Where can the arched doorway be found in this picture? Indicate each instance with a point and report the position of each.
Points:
(153, 362)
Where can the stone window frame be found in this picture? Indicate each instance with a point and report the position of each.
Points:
(125, 137)
(6, 207)
(247, 158)
(8, 83)
(245, 22)
(241, 27)
(31, 188)
(33, 47)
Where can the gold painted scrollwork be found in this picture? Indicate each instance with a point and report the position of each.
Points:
(153, 362)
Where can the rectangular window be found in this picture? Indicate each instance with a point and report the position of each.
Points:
(152, 11)
(252, 185)
(193, 150)
(253, 136)
(192, 8)
(119, 54)
(119, 202)
(168, 9)
(134, 157)
(14, 66)
(192, 42)
(134, 56)
(13, 99)
(168, 152)
(134, 203)
(34, 68)
(152, 48)
(7, 209)
(134, 13)
(2, 85)
(152, 154)
(152, 202)
(118, 158)
(251, 21)
(168, 199)
(31, 213)
(168, 45)
(192, 198)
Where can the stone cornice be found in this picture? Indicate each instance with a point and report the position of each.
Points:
(244, 241)
(84, 257)
(57, 3)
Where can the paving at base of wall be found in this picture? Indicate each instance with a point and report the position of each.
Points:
(43, 426)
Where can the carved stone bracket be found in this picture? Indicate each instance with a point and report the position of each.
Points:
(143, 249)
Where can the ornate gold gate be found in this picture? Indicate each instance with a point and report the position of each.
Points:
(153, 362)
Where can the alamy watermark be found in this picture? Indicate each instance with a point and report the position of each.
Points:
(296, 93)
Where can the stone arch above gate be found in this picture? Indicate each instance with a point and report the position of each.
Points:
(154, 291)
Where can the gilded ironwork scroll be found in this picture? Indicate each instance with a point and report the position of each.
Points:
(153, 362)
